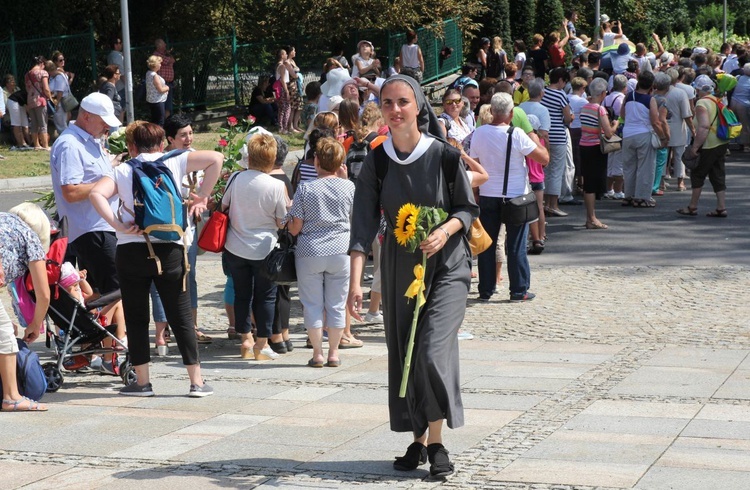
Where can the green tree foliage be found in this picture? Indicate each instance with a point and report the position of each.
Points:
(712, 16)
(523, 13)
(549, 16)
(497, 21)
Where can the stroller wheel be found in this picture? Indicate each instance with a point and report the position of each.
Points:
(54, 376)
(127, 373)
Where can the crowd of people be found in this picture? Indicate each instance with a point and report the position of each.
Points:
(528, 124)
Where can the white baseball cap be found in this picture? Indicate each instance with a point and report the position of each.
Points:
(100, 105)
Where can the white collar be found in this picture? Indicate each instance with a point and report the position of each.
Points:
(421, 148)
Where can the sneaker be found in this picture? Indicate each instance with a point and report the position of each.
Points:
(374, 317)
(619, 195)
(610, 194)
(522, 297)
(200, 391)
(134, 389)
(107, 368)
(464, 335)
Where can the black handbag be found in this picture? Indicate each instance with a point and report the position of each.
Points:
(279, 266)
(518, 210)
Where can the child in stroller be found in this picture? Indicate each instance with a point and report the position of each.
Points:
(74, 282)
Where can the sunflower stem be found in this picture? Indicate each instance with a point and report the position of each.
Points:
(412, 332)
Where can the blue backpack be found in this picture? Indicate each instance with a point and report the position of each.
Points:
(29, 373)
(159, 209)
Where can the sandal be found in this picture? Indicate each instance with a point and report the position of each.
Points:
(537, 247)
(717, 213)
(644, 203)
(202, 338)
(334, 363)
(315, 364)
(416, 455)
(32, 406)
(598, 225)
(628, 201)
(688, 211)
(232, 334)
(350, 343)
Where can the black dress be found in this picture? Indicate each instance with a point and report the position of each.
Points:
(434, 391)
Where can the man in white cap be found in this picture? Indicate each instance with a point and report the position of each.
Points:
(77, 162)
(709, 149)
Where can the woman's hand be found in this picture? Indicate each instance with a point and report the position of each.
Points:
(129, 227)
(31, 333)
(434, 242)
(354, 301)
(198, 204)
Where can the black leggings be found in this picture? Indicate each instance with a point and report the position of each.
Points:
(136, 273)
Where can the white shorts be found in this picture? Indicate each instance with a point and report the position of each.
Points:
(614, 164)
(323, 285)
(8, 343)
(18, 116)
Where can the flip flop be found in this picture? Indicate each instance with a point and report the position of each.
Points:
(590, 225)
(202, 338)
(33, 406)
(334, 363)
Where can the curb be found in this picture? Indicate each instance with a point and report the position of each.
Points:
(24, 183)
(45, 181)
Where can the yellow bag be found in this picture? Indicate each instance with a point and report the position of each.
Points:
(479, 240)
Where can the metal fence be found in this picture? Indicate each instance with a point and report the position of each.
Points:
(220, 72)
(16, 57)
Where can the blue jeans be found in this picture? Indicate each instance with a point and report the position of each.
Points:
(251, 288)
(519, 273)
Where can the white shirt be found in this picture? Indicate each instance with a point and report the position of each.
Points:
(576, 104)
(365, 63)
(256, 200)
(488, 144)
(123, 175)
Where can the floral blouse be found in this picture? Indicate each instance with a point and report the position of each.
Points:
(19, 245)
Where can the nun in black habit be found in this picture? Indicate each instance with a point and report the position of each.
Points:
(416, 165)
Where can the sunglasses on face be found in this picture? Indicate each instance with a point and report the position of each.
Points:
(453, 102)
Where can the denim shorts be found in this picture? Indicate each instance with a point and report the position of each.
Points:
(537, 186)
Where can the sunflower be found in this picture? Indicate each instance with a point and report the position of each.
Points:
(406, 223)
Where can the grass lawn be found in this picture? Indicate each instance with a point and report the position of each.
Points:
(36, 163)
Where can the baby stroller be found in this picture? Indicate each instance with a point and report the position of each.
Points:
(81, 334)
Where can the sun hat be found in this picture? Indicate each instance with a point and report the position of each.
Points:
(359, 44)
(335, 80)
(666, 58)
(704, 84)
(623, 49)
(604, 18)
(68, 275)
(101, 105)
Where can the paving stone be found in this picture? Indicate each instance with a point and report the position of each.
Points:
(665, 478)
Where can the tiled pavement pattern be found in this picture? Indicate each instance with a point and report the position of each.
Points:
(636, 377)
(629, 370)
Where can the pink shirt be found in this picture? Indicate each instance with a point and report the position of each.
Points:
(536, 171)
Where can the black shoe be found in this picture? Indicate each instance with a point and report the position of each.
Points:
(440, 464)
(289, 345)
(416, 455)
(278, 347)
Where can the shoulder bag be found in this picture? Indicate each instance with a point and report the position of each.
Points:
(479, 239)
(213, 236)
(279, 266)
(518, 210)
(608, 145)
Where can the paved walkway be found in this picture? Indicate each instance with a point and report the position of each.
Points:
(630, 369)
